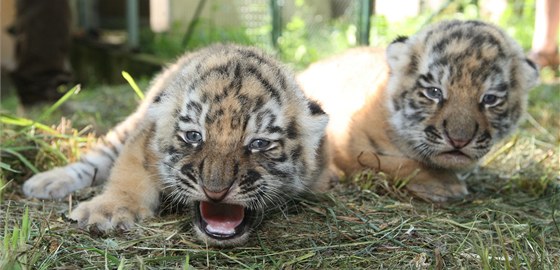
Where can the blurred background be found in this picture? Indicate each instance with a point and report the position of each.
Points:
(100, 38)
(108, 35)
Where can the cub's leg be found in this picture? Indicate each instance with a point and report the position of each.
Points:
(92, 169)
(131, 194)
(432, 184)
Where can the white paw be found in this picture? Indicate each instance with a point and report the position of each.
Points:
(106, 213)
(53, 184)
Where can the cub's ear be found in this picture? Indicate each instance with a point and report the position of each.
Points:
(530, 73)
(397, 53)
(316, 122)
(400, 39)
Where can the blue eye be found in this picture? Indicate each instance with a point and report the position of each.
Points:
(433, 93)
(193, 137)
(258, 144)
(490, 100)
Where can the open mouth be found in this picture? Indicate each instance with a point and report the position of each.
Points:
(220, 220)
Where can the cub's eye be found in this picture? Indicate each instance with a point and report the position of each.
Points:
(193, 137)
(433, 93)
(258, 144)
(490, 100)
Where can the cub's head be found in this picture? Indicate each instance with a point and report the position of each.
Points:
(455, 89)
(235, 137)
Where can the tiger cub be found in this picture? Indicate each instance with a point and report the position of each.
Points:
(429, 106)
(225, 129)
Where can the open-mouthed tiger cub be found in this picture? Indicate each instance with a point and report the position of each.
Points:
(226, 129)
(429, 106)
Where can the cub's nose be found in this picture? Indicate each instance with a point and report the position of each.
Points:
(459, 133)
(458, 143)
(215, 196)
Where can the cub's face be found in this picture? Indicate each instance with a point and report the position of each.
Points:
(455, 89)
(236, 137)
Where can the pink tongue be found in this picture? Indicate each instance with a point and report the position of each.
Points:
(221, 218)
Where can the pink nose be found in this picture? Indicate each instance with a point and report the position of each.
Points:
(458, 142)
(215, 196)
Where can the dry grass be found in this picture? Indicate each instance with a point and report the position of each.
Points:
(510, 220)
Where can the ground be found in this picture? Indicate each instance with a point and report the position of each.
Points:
(510, 219)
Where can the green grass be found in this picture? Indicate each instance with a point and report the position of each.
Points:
(511, 219)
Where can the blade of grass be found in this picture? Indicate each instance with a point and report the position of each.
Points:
(2, 187)
(25, 226)
(234, 259)
(133, 84)
(23, 160)
(59, 102)
(18, 121)
(187, 264)
(121, 264)
(53, 150)
(114, 260)
(7, 167)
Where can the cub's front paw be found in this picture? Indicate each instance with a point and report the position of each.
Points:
(53, 184)
(106, 213)
(438, 187)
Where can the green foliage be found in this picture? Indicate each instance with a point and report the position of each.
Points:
(305, 41)
(519, 21)
(14, 243)
(169, 45)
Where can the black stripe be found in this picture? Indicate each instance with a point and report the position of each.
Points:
(484, 137)
(282, 158)
(315, 108)
(250, 178)
(265, 83)
(84, 160)
(171, 150)
(77, 172)
(532, 64)
(276, 172)
(296, 152)
(400, 39)
(157, 99)
(275, 129)
(194, 106)
(186, 119)
(432, 131)
(237, 81)
(108, 154)
(293, 130)
(186, 183)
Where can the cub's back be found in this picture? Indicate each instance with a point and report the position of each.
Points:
(344, 84)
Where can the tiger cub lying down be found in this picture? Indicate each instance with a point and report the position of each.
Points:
(225, 129)
(429, 106)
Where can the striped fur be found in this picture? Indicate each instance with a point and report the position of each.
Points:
(224, 118)
(429, 106)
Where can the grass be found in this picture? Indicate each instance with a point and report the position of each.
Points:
(510, 220)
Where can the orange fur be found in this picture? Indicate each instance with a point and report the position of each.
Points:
(386, 116)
